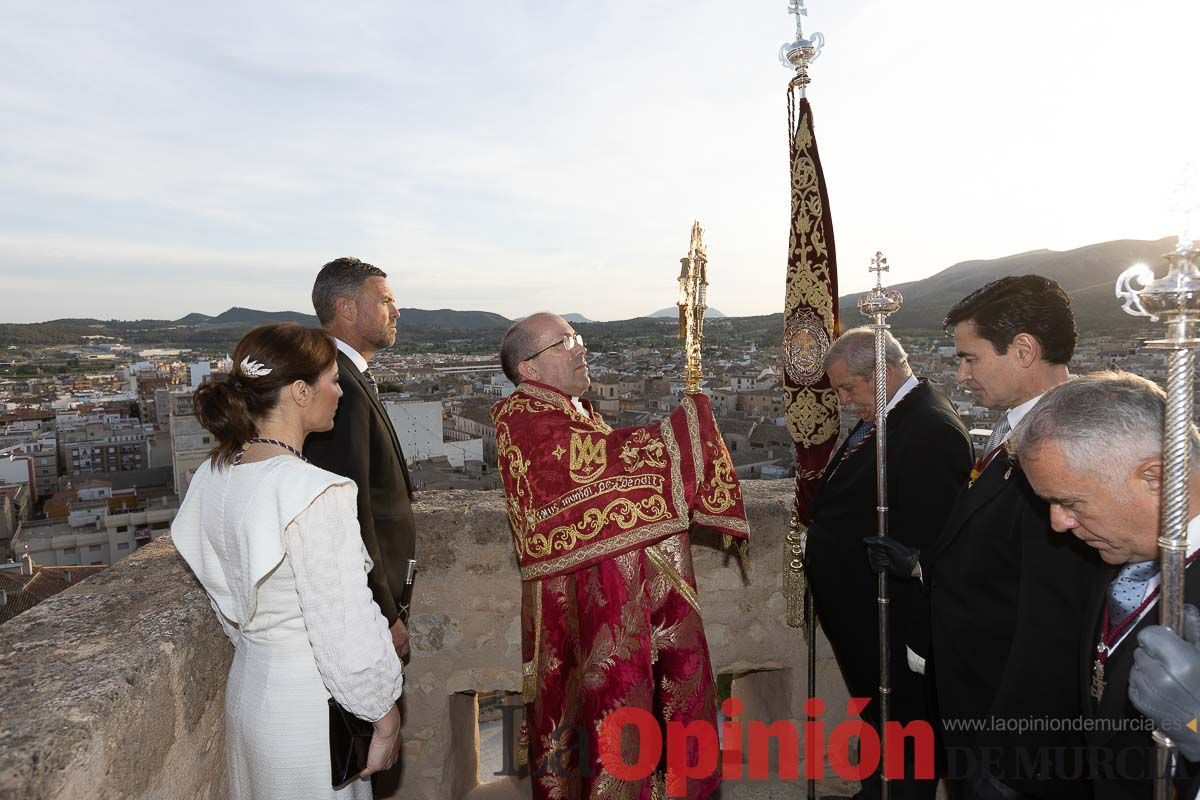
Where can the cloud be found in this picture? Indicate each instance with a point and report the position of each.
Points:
(563, 148)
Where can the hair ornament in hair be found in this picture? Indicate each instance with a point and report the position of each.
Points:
(253, 369)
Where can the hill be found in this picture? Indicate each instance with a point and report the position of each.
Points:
(416, 328)
(1087, 273)
(673, 311)
(448, 319)
(250, 316)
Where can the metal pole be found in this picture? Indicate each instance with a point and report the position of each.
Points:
(878, 304)
(810, 621)
(885, 651)
(1176, 300)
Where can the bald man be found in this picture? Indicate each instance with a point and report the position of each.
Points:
(601, 520)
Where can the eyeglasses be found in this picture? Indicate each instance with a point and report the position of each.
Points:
(568, 342)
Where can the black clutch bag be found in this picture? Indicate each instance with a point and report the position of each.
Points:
(349, 740)
(350, 736)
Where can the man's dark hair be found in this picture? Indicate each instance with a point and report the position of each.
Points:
(341, 277)
(1020, 304)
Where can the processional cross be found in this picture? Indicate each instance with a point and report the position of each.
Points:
(879, 263)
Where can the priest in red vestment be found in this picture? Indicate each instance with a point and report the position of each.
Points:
(600, 521)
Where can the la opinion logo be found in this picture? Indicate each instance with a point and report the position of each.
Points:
(694, 750)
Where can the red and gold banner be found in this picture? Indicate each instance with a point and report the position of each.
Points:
(579, 492)
(810, 311)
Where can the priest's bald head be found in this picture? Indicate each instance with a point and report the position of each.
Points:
(1092, 449)
(544, 347)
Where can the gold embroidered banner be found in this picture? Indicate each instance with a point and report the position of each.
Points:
(810, 310)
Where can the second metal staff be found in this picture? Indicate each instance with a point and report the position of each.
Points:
(879, 304)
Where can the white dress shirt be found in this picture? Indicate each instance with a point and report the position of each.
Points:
(351, 354)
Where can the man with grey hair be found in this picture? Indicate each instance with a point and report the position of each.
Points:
(1092, 449)
(929, 456)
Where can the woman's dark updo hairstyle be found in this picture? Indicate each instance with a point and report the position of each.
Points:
(231, 406)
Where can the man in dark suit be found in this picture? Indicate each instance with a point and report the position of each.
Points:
(1007, 597)
(356, 307)
(1092, 449)
(929, 456)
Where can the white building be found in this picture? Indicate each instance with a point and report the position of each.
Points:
(190, 443)
(499, 386)
(419, 428)
(104, 540)
(17, 468)
(199, 370)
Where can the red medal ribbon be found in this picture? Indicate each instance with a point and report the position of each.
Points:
(984, 461)
(1109, 637)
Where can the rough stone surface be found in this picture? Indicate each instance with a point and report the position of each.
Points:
(115, 688)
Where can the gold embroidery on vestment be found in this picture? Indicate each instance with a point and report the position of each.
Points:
(693, 428)
(642, 449)
(720, 493)
(605, 547)
(664, 566)
(589, 458)
(722, 522)
(529, 668)
(561, 403)
(668, 436)
(613, 643)
(624, 513)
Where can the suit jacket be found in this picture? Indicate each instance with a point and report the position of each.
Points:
(363, 447)
(1124, 759)
(929, 456)
(1008, 597)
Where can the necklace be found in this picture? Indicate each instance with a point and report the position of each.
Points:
(1111, 635)
(237, 458)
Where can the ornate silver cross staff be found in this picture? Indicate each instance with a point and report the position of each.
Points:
(1175, 300)
(879, 304)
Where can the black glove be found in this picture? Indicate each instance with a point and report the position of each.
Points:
(885, 554)
(1164, 683)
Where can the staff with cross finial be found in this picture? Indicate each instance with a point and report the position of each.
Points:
(879, 304)
(1175, 301)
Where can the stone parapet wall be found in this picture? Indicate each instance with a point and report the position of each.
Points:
(114, 689)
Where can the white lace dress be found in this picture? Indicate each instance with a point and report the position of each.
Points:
(276, 545)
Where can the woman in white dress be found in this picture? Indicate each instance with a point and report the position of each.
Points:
(275, 543)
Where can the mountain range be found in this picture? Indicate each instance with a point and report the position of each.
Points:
(1087, 273)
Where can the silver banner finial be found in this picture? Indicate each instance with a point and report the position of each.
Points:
(804, 50)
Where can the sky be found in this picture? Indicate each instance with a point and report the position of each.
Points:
(158, 159)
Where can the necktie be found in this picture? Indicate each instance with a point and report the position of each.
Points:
(1126, 592)
(371, 380)
(856, 437)
(998, 433)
